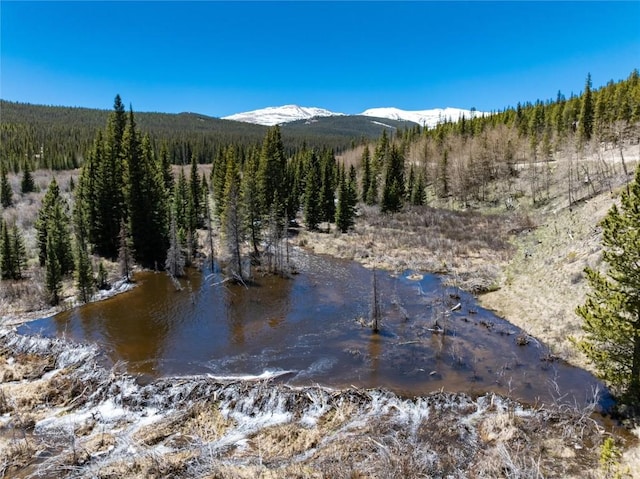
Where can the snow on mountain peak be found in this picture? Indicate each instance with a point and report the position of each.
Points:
(276, 115)
(428, 118)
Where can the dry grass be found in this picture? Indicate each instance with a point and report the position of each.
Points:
(466, 246)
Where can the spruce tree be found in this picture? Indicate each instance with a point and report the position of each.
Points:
(394, 189)
(6, 193)
(53, 272)
(345, 209)
(419, 191)
(27, 185)
(312, 199)
(18, 252)
(181, 201)
(271, 171)
(585, 120)
(372, 192)
(84, 271)
(366, 173)
(51, 197)
(352, 187)
(85, 204)
(611, 312)
(251, 203)
(6, 253)
(175, 261)
(195, 215)
(165, 167)
(147, 200)
(109, 188)
(328, 187)
(218, 175)
(125, 256)
(53, 223)
(102, 280)
(232, 218)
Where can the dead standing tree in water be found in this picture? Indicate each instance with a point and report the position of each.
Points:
(375, 305)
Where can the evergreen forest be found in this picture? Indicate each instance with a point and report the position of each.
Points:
(151, 190)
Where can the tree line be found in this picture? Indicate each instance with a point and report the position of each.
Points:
(128, 206)
(479, 159)
(31, 134)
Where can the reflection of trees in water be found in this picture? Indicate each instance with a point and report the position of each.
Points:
(375, 353)
(250, 309)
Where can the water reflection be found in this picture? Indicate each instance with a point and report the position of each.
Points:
(314, 324)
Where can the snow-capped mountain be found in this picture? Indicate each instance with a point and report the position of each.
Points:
(276, 115)
(429, 118)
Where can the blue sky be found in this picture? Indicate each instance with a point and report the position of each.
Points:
(220, 58)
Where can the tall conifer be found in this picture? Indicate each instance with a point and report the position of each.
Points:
(612, 311)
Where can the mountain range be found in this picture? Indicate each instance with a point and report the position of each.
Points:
(290, 113)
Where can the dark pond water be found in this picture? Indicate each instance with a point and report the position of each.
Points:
(314, 327)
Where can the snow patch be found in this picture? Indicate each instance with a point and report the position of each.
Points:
(383, 124)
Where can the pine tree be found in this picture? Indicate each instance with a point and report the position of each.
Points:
(165, 167)
(372, 192)
(411, 183)
(611, 312)
(312, 200)
(175, 262)
(85, 205)
(328, 187)
(147, 200)
(366, 173)
(84, 271)
(18, 252)
(53, 272)
(218, 175)
(109, 189)
(181, 201)
(585, 120)
(232, 218)
(27, 185)
(6, 253)
(51, 197)
(393, 192)
(53, 222)
(195, 215)
(345, 209)
(271, 170)
(102, 280)
(352, 189)
(6, 193)
(419, 191)
(125, 256)
(251, 203)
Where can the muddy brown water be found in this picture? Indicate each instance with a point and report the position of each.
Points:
(312, 329)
